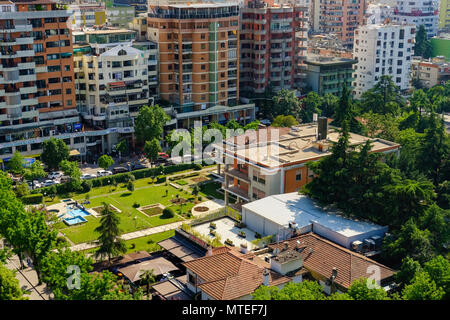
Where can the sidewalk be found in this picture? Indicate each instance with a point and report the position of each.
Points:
(28, 281)
(131, 235)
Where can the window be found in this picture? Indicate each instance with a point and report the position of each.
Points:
(68, 91)
(298, 176)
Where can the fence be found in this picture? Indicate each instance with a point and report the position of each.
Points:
(220, 213)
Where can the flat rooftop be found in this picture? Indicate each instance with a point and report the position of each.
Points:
(102, 31)
(316, 59)
(293, 207)
(277, 147)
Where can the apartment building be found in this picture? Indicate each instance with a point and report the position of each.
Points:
(199, 61)
(111, 78)
(120, 16)
(418, 12)
(37, 92)
(87, 15)
(431, 72)
(152, 49)
(273, 160)
(140, 6)
(382, 49)
(377, 13)
(139, 24)
(328, 45)
(273, 47)
(341, 17)
(329, 74)
(444, 14)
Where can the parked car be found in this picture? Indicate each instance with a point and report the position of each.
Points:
(87, 176)
(103, 173)
(137, 166)
(37, 184)
(119, 170)
(48, 183)
(55, 175)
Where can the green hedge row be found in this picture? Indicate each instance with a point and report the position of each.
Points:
(33, 198)
(158, 172)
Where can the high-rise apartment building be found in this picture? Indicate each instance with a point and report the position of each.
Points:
(273, 47)
(444, 14)
(418, 12)
(198, 60)
(341, 17)
(87, 14)
(37, 93)
(112, 84)
(382, 49)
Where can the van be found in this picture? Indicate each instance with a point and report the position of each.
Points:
(119, 170)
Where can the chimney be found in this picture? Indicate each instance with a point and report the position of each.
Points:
(266, 277)
(244, 248)
(285, 245)
(210, 251)
(322, 128)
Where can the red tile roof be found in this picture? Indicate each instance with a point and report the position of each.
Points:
(227, 276)
(327, 255)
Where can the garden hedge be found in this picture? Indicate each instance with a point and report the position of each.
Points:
(33, 198)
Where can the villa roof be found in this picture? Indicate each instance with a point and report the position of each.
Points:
(321, 256)
(228, 276)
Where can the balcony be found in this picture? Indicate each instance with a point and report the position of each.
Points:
(236, 191)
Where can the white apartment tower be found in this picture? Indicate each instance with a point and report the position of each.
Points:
(418, 12)
(382, 49)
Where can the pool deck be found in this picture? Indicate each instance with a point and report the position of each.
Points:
(62, 207)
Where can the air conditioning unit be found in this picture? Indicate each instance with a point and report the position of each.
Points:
(52, 132)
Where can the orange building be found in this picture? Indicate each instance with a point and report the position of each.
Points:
(36, 75)
(273, 160)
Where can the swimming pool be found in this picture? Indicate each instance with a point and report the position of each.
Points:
(75, 220)
(77, 213)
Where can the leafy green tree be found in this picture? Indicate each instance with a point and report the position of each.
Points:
(254, 125)
(310, 106)
(147, 277)
(36, 171)
(419, 101)
(345, 111)
(123, 147)
(381, 126)
(306, 290)
(284, 121)
(105, 161)
(70, 168)
(16, 163)
(152, 149)
(422, 287)
(22, 190)
(9, 285)
(54, 268)
(149, 123)
(359, 290)
(422, 46)
(407, 271)
(439, 270)
(52, 191)
(110, 242)
(329, 105)
(435, 219)
(383, 98)
(53, 152)
(285, 102)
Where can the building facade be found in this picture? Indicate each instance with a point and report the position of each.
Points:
(341, 17)
(120, 16)
(431, 72)
(444, 14)
(418, 12)
(273, 47)
(37, 99)
(198, 60)
(329, 74)
(87, 15)
(382, 49)
(112, 84)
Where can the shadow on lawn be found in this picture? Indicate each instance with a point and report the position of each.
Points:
(126, 194)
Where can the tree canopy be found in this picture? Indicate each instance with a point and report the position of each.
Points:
(53, 152)
(149, 123)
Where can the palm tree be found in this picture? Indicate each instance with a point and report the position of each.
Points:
(147, 277)
(110, 242)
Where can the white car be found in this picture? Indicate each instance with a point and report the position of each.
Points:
(36, 184)
(103, 173)
(87, 176)
(55, 175)
(48, 183)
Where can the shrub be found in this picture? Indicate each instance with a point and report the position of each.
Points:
(86, 185)
(182, 182)
(33, 198)
(136, 205)
(213, 225)
(130, 186)
(258, 235)
(168, 213)
(197, 166)
(161, 179)
(229, 242)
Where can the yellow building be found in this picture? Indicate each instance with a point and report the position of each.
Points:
(444, 14)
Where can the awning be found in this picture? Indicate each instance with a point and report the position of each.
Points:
(180, 250)
(173, 289)
(159, 266)
(74, 152)
(117, 84)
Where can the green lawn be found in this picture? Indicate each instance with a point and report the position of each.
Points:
(147, 243)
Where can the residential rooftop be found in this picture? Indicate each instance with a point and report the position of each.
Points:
(319, 60)
(279, 147)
